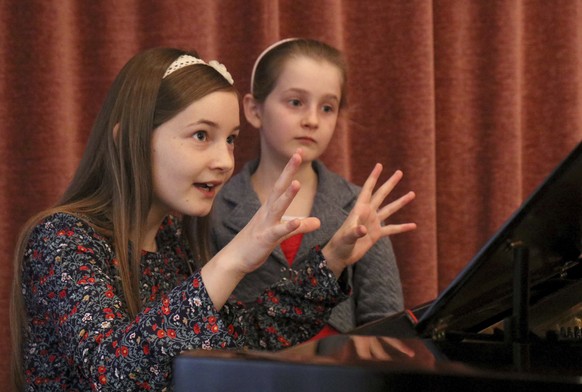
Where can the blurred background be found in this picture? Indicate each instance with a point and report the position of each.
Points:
(476, 101)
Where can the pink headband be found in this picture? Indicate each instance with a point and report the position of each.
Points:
(263, 55)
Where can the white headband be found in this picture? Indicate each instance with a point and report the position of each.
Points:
(186, 59)
(263, 55)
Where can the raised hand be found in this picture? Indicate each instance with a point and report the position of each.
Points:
(266, 229)
(364, 226)
(249, 249)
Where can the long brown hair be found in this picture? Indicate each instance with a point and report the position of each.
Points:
(112, 186)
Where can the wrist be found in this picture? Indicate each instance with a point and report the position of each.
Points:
(228, 264)
(333, 263)
(220, 276)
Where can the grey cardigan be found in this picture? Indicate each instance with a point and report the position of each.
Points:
(375, 279)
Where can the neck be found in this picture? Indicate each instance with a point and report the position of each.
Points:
(267, 173)
(150, 232)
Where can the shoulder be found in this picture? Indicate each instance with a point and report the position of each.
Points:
(335, 187)
(238, 190)
(65, 237)
(64, 225)
(328, 178)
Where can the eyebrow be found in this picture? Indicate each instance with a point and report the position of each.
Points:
(203, 121)
(210, 123)
(300, 90)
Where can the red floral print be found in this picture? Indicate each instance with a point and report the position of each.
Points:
(80, 337)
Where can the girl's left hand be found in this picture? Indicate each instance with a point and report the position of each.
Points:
(364, 225)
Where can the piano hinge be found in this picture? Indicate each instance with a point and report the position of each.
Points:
(439, 333)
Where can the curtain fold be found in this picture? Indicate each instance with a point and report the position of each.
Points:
(478, 55)
(476, 101)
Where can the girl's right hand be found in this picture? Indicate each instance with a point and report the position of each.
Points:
(251, 247)
(266, 230)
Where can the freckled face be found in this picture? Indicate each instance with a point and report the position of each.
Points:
(193, 155)
(302, 109)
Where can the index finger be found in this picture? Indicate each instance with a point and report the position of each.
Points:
(286, 177)
(368, 187)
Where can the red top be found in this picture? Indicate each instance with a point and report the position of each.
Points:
(290, 247)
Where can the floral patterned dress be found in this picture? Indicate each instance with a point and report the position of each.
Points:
(79, 336)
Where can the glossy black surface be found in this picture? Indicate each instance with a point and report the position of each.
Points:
(459, 341)
(371, 363)
(549, 225)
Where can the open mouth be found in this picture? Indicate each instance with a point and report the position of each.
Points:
(206, 187)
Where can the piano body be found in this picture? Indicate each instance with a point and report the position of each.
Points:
(510, 321)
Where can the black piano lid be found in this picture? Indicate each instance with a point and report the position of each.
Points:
(548, 223)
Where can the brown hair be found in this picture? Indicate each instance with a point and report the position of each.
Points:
(270, 63)
(112, 186)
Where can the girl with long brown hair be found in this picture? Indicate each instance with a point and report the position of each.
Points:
(109, 287)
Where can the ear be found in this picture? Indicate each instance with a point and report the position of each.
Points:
(252, 110)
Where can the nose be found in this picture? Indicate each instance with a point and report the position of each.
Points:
(310, 118)
(223, 157)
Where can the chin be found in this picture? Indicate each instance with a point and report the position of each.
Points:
(198, 212)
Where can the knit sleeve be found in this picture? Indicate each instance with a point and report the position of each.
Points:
(376, 281)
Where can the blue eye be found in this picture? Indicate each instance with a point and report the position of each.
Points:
(328, 109)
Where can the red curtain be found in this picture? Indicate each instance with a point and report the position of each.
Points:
(476, 101)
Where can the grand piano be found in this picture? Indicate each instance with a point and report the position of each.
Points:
(510, 321)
